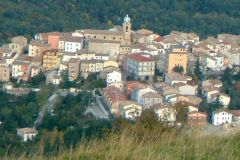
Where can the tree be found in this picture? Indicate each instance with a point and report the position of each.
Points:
(65, 83)
(227, 79)
(197, 71)
(148, 119)
(178, 69)
(210, 108)
(37, 80)
(181, 110)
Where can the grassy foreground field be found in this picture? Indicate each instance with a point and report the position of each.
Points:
(152, 144)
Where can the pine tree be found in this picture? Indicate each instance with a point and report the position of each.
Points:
(197, 71)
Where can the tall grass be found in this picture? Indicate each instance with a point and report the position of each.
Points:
(154, 144)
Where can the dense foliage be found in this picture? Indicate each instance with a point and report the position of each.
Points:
(18, 17)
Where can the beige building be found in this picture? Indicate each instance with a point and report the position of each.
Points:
(103, 35)
(140, 67)
(18, 44)
(37, 47)
(73, 68)
(109, 47)
(122, 35)
(151, 98)
(112, 41)
(4, 73)
(177, 57)
(51, 59)
(86, 55)
(35, 70)
(90, 66)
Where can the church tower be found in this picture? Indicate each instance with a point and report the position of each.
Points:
(127, 29)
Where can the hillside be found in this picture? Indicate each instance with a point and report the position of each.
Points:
(152, 144)
(19, 17)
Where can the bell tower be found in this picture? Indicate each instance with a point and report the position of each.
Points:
(127, 29)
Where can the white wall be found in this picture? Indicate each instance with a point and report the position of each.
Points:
(114, 77)
(221, 118)
(187, 90)
(72, 46)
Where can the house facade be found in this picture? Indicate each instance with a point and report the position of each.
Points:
(140, 67)
(27, 133)
(221, 117)
(113, 77)
(196, 118)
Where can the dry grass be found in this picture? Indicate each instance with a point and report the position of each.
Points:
(150, 145)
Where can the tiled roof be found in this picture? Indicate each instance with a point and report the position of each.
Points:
(105, 32)
(139, 58)
(71, 39)
(177, 77)
(159, 39)
(28, 130)
(196, 112)
(38, 43)
(114, 94)
(235, 112)
(151, 95)
(103, 41)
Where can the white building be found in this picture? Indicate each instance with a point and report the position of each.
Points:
(215, 63)
(130, 110)
(212, 83)
(140, 66)
(172, 78)
(27, 133)
(71, 44)
(113, 76)
(223, 98)
(186, 89)
(166, 114)
(221, 117)
(137, 94)
(104, 57)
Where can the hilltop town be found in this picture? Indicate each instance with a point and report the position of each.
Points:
(184, 80)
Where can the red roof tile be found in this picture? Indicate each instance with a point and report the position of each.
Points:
(159, 39)
(138, 57)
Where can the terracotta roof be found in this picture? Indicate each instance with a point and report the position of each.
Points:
(71, 39)
(196, 112)
(139, 58)
(151, 95)
(178, 77)
(37, 42)
(54, 51)
(19, 40)
(114, 94)
(159, 39)
(235, 112)
(159, 106)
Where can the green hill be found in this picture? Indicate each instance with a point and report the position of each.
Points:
(131, 144)
(20, 17)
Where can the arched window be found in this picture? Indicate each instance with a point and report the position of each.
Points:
(126, 28)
